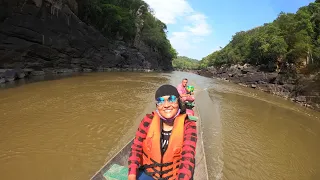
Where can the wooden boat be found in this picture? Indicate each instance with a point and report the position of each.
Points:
(118, 163)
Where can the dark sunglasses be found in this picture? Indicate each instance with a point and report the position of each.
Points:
(161, 100)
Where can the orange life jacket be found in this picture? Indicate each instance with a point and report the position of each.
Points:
(166, 166)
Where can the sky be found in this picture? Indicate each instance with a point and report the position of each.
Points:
(197, 28)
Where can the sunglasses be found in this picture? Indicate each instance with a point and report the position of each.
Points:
(171, 99)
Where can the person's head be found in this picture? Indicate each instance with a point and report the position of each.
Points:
(168, 102)
(184, 82)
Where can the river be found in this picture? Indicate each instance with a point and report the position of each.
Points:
(67, 128)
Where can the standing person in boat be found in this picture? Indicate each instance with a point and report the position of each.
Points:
(165, 142)
(184, 94)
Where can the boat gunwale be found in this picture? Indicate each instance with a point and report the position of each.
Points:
(202, 144)
(110, 160)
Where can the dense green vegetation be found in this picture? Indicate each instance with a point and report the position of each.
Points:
(183, 63)
(292, 38)
(118, 18)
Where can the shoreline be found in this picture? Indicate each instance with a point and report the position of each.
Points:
(10, 75)
(10, 78)
(282, 89)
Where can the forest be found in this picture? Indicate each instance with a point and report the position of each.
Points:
(291, 39)
(183, 63)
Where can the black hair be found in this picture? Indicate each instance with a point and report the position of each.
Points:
(166, 90)
(171, 90)
(182, 106)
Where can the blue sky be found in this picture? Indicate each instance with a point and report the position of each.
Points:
(199, 27)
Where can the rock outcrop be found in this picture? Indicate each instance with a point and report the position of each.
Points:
(298, 88)
(46, 35)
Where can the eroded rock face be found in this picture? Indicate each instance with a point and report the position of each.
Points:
(300, 89)
(38, 3)
(40, 34)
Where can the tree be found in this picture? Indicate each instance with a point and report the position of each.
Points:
(118, 18)
(291, 38)
(182, 62)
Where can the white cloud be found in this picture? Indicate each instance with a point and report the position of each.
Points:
(199, 26)
(169, 10)
(193, 25)
(179, 40)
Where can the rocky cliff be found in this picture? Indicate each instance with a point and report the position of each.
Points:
(47, 35)
(299, 88)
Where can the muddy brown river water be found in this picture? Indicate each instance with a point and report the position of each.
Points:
(65, 129)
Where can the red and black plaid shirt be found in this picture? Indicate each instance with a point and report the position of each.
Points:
(188, 149)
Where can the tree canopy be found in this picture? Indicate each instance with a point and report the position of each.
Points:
(292, 38)
(118, 18)
(183, 63)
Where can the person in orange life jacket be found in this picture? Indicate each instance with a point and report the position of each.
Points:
(165, 142)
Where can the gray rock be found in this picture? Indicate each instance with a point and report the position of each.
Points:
(2, 80)
(298, 88)
(301, 99)
(271, 77)
(37, 73)
(76, 69)
(10, 75)
(87, 70)
(36, 39)
(64, 71)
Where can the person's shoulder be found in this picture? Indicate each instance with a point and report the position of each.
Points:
(148, 117)
(190, 120)
(190, 125)
(146, 121)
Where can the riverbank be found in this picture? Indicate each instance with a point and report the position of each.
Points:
(8, 76)
(49, 38)
(301, 89)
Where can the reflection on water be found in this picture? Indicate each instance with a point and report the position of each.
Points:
(67, 128)
(33, 79)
